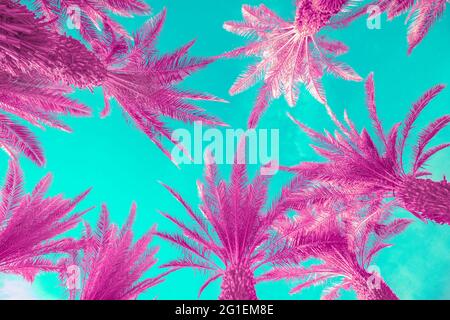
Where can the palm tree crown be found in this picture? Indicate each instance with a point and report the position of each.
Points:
(290, 52)
(231, 238)
(145, 84)
(111, 266)
(356, 166)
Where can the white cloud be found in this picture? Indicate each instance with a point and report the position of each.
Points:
(15, 288)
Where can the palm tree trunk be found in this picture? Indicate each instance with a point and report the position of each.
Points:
(238, 284)
(426, 198)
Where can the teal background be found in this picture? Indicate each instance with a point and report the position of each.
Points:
(124, 166)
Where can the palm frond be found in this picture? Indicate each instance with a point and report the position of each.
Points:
(30, 222)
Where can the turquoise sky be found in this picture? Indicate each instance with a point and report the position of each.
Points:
(124, 166)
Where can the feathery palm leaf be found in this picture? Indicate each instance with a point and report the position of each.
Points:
(29, 222)
(144, 83)
(25, 89)
(422, 16)
(38, 102)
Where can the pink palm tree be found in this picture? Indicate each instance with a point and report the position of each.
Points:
(130, 71)
(230, 240)
(422, 15)
(30, 46)
(30, 222)
(356, 166)
(111, 265)
(290, 52)
(25, 93)
(346, 241)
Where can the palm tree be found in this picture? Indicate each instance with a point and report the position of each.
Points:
(357, 166)
(111, 265)
(30, 222)
(290, 52)
(422, 15)
(24, 92)
(346, 240)
(130, 71)
(231, 238)
(30, 46)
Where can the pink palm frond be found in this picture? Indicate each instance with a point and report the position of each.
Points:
(357, 165)
(144, 83)
(16, 139)
(30, 222)
(89, 15)
(229, 239)
(346, 240)
(111, 265)
(422, 14)
(30, 48)
(290, 52)
(38, 102)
